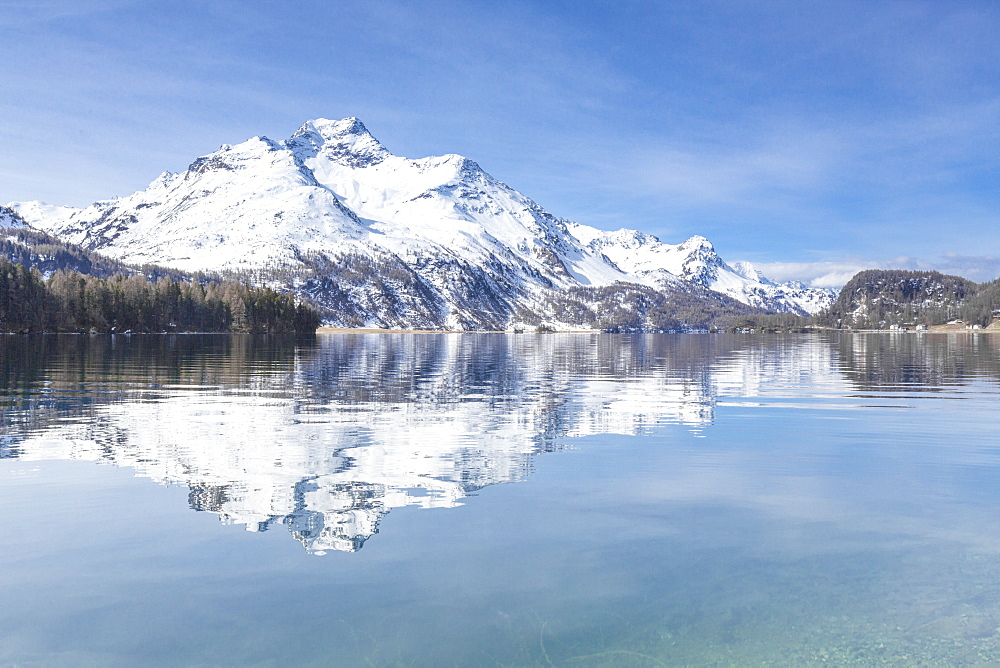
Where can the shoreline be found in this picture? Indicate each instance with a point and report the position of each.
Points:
(377, 330)
(934, 329)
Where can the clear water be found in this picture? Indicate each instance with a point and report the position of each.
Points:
(672, 500)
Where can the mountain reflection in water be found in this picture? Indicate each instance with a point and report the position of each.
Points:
(325, 436)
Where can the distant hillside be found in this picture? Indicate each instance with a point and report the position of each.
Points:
(881, 298)
(34, 249)
(48, 285)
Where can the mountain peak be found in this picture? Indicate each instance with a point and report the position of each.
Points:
(698, 241)
(342, 128)
(347, 141)
(748, 271)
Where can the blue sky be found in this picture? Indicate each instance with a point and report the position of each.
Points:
(813, 138)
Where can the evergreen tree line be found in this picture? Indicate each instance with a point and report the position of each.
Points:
(73, 302)
(982, 307)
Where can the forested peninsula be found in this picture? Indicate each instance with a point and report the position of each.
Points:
(894, 299)
(70, 301)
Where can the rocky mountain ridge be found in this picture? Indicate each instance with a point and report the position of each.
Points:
(380, 240)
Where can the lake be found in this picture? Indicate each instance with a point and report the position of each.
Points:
(500, 500)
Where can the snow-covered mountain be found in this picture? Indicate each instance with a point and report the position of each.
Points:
(379, 239)
(648, 260)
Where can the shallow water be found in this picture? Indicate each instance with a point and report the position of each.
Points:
(675, 500)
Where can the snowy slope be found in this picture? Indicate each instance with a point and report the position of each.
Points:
(649, 261)
(10, 220)
(451, 245)
(331, 188)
